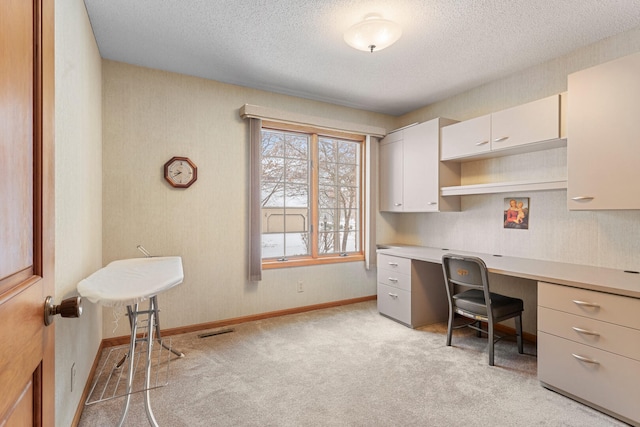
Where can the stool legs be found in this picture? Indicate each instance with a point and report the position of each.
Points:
(133, 318)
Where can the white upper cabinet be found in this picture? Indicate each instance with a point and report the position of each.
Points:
(467, 138)
(391, 173)
(535, 121)
(410, 170)
(603, 151)
(533, 126)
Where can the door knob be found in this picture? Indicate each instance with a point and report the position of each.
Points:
(70, 307)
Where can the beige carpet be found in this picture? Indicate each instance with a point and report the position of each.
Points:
(348, 366)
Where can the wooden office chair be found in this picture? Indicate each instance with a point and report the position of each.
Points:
(477, 302)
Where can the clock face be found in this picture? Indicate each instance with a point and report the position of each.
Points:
(180, 172)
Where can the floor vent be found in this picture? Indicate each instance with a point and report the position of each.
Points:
(214, 333)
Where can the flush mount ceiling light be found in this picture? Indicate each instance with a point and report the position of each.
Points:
(374, 33)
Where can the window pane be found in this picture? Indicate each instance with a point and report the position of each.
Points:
(272, 245)
(272, 169)
(327, 173)
(348, 152)
(347, 175)
(296, 171)
(326, 242)
(327, 150)
(296, 195)
(272, 194)
(297, 146)
(349, 242)
(272, 143)
(297, 244)
(326, 220)
(327, 197)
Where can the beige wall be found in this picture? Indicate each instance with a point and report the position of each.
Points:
(600, 238)
(150, 116)
(78, 175)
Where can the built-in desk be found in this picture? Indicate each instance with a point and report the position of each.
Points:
(580, 276)
(588, 321)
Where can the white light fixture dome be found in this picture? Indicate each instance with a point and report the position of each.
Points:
(374, 33)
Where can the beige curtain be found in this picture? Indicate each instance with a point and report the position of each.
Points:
(255, 219)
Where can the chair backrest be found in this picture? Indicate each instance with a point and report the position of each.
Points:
(465, 271)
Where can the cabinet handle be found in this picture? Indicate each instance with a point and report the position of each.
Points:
(586, 304)
(432, 203)
(585, 359)
(393, 295)
(582, 198)
(391, 279)
(393, 264)
(502, 138)
(482, 143)
(586, 331)
(397, 204)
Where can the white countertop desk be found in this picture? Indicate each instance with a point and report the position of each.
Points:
(600, 279)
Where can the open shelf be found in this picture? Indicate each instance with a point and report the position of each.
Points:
(504, 187)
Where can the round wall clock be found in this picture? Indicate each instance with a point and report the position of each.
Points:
(180, 172)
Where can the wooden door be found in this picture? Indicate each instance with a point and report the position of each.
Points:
(26, 212)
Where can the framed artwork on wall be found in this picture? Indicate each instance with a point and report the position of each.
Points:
(516, 213)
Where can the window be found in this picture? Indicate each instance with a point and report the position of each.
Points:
(311, 185)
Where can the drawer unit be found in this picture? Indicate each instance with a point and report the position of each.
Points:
(392, 278)
(605, 380)
(394, 303)
(589, 347)
(603, 335)
(597, 305)
(411, 292)
(394, 263)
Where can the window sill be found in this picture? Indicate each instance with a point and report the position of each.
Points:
(300, 262)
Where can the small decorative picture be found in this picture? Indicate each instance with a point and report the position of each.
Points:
(516, 213)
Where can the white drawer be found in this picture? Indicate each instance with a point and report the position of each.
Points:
(612, 383)
(605, 336)
(395, 279)
(395, 303)
(394, 263)
(616, 309)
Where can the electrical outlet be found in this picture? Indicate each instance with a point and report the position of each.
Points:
(73, 375)
(300, 288)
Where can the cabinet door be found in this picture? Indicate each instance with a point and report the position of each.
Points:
(467, 138)
(603, 133)
(390, 181)
(421, 160)
(532, 122)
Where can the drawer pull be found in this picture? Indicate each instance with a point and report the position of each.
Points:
(393, 295)
(397, 204)
(586, 331)
(586, 304)
(391, 279)
(585, 359)
(502, 138)
(582, 198)
(481, 143)
(393, 264)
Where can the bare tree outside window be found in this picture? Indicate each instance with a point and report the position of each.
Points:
(305, 215)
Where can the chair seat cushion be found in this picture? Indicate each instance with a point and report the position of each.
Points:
(473, 301)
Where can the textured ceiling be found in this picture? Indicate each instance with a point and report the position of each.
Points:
(296, 47)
